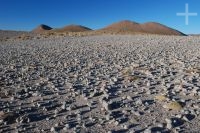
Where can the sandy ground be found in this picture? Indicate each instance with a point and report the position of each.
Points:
(100, 84)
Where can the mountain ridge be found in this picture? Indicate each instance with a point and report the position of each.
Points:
(121, 27)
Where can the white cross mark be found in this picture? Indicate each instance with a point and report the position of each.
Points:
(187, 14)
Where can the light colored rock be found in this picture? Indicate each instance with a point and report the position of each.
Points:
(169, 123)
(52, 129)
(105, 105)
(138, 102)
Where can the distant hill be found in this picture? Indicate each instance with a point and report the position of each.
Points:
(73, 28)
(146, 28)
(123, 26)
(42, 28)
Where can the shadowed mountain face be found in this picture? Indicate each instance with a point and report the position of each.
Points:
(146, 28)
(41, 28)
(73, 28)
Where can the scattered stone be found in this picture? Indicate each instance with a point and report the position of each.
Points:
(105, 105)
(64, 106)
(102, 83)
(138, 102)
(148, 130)
(169, 124)
(53, 129)
(160, 125)
(129, 98)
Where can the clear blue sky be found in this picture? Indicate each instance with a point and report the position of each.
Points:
(27, 14)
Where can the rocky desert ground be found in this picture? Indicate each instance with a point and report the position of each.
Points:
(100, 84)
(10, 34)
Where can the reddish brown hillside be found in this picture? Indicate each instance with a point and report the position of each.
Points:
(73, 28)
(146, 28)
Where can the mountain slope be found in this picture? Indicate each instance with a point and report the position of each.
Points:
(146, 28)
(73, 28)
(42, 28)
(156, 28)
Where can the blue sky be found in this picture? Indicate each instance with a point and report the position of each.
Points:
(27, 14)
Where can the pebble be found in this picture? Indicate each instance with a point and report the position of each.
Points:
(105, 105)
(64, 106)
(129, 98)
(148, 130)
(138, 102)
(160, 125)
(53, 129)
(169, 123)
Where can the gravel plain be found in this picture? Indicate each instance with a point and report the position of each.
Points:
(10, 34)
(100, 84)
